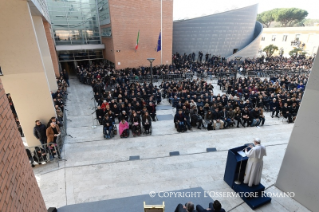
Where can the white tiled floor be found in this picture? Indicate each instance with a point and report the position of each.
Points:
(98, 169)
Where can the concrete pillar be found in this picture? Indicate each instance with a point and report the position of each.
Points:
(299, 170)
(51, 44)
(45, 52)
(24, 75)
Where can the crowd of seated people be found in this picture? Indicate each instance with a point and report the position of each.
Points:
(49, 133)
(252, 95)
(132, 105)
(105, 75)
(215, 65)
(243, 104)
(189, 207)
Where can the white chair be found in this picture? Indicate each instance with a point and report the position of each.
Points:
(154, 208)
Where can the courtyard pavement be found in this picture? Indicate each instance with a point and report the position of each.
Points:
(97, 169)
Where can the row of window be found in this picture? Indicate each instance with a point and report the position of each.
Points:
(284, 38)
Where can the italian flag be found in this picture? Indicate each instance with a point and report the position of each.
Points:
(138, 35)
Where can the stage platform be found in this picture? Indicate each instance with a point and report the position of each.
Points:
(135, 203)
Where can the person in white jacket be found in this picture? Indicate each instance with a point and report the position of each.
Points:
(255, 163)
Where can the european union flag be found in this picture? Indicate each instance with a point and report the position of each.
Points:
(159, 43)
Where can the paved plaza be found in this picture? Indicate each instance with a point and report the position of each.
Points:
(97, 169)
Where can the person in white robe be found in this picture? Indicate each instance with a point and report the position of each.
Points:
(254, 165)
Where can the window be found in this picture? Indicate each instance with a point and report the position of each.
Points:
(284, 38)
(297, 37)
(106, 32)
(262, 38)
(273, 38)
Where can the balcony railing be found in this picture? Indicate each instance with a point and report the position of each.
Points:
(297, 43)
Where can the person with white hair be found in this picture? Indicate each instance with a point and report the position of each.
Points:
(255, 163)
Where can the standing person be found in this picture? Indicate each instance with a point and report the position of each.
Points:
(39, 131)
(52, 132)
(255, 163)
(66, 77)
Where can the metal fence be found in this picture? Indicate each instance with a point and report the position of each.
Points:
(45, 153)
(51, 152)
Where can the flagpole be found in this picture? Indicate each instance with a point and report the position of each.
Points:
(161, 32)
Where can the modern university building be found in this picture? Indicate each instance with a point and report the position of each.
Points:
(40, 38)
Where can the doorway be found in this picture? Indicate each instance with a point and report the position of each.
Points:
(69, 67)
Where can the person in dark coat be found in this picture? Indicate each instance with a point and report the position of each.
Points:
(40, 156)
(274, 107)
(66, 77)
(152, 110)
(107, 126)
(39, 131)
(213, 207)
(179, 120)
(99, 114)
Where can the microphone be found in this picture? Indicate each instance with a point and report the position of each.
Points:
(246, 148)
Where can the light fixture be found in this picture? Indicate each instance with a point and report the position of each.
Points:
(151, 59)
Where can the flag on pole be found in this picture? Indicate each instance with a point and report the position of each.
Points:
(138, 35)
(159, 43)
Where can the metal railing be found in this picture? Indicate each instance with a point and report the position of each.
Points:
(46, 153)
(50, 152)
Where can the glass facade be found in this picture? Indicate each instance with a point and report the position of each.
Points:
(104, 12)
(74, 22)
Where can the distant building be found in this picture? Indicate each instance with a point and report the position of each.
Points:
(228, 34)
(288, 38)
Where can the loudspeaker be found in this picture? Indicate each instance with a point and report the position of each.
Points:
(234, 51)
(52, 209)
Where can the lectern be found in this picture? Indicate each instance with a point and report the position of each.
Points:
(235, 166)
(235, 171)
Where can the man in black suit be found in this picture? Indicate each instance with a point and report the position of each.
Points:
(213, 207)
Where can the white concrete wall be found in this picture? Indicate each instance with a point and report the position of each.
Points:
(24, 73)
(299, 171)
(45, 52)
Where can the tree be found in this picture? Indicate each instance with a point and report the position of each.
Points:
(266, 17)
(270, 49)
(287, 16)
(296, 52)
(307, 22)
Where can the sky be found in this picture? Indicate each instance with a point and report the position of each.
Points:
(185, 9)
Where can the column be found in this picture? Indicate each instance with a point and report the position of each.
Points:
(24, 74)
(299, 170)
(45, 52)
(51, 43)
